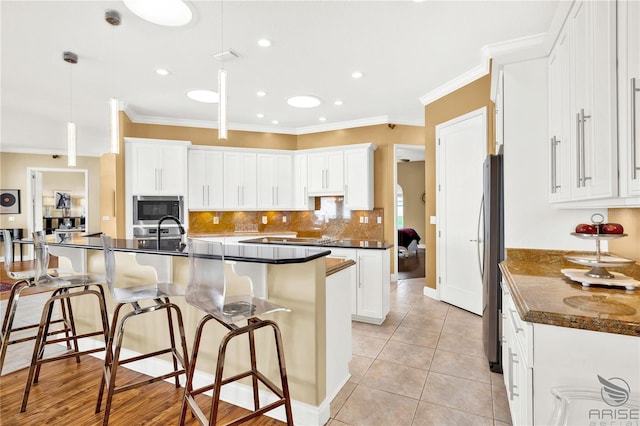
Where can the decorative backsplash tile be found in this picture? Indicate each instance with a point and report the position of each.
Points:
(330, 219)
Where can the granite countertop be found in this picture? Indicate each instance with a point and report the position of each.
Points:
(270, 255)
(318, 242)
(542, 294)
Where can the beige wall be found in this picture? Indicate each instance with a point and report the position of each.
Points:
(466, 99)
(13, 175)
(411, 179)
(627, 246)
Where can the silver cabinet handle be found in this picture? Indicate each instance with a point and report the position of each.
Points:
(346, 194)
(578, 152)
(634, 146)
(583, 119)
(554, 165)
(512, 312)
(513, 359)
(273, 197)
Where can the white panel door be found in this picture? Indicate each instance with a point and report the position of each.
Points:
(461, 151)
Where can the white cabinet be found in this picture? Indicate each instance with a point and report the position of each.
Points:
(205, 179)
(301, 199)
(358, 178)
(240, 180)
(326, 173)
(370, 283)
(517, 357)
(275, 187)
(559, 110)
(583, 61)
(629, 97)
(157, 167)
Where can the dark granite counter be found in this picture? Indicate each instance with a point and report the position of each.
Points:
(235, 252)
(542, 294)
(319, 242)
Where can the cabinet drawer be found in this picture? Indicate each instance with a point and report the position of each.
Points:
(522, 330)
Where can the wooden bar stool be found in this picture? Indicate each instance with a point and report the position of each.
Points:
(65, 288)
(210, 292)
(157, 294)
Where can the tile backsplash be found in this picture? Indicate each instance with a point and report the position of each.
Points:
(330, 218)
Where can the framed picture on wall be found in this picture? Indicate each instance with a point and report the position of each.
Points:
(9, 201)
(62, 199)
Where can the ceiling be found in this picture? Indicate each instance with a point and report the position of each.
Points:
(405, 50)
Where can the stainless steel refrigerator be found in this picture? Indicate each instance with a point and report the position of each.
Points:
(493, 241)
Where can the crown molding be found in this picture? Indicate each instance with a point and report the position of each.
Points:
(456, 83)
(362, 122)
(41, 151)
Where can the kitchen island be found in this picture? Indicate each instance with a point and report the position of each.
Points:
(562, 342)
(316, 350)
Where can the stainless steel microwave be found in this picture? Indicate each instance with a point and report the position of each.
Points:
(148, 210)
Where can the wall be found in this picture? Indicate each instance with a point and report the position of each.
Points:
(13, 175)
(627, 246)
(471, 97)
(411, 179)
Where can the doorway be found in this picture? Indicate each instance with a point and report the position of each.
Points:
(409, 211)
(58, 199)
(460, 152)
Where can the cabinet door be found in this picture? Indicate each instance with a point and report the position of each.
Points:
(358, 179)
(370, 279)
(240, 185)
(629, 96)
(301, 199)
(146, 172)
(274, 181)
(594, 101)
(559, 119)
(316, 173)
(205, 180)
(172, 170)
(335, 173)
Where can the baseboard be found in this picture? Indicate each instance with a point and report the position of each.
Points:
(431, 292)
(233, 393)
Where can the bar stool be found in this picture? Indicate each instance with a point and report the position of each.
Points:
(62, 287)
(159, 294)
(209, 291)
(24, 279)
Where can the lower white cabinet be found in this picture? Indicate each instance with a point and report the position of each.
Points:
(553, 373)
(370, 283)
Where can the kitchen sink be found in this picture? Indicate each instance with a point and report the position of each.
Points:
(296, 240)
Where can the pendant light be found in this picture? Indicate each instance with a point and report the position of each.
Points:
(113, 18)
(71, 58)
(222, 84)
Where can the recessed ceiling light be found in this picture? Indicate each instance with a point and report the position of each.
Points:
(170, 13)
(261, 93)
(304, 101)
(338, 102)
(203, 95)
(322, 118)
(260, 115)
(264, 42)
(274, 122)
(162, 71)
(357, 74)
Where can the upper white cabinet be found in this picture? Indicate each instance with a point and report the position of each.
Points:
(240, 180)
(583, 134)
(301, 198)
(206, 179)
(628, 96)
(559, 125)
(358, 178)
(326, 173)
(157, 167)
(275, 187)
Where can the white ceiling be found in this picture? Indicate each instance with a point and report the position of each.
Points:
(405, 50)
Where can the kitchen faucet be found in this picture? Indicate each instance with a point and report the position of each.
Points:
(176, 220)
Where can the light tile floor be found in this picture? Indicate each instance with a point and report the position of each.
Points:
(424, 365)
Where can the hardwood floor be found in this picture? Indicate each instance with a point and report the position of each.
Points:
(66, 394)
